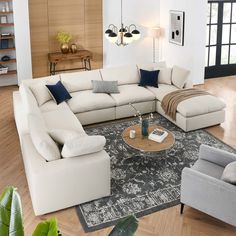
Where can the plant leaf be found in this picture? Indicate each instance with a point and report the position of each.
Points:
(10, 213)
(125, 227)
(46, 228)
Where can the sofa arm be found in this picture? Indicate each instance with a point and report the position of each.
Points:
(217, 156)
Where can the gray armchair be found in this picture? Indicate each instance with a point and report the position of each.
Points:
(203, 189)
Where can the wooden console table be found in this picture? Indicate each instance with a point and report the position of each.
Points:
(82, 55)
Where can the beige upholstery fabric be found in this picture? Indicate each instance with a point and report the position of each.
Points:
(43, 143)
(162, 90)
(51, 106)
(39, 89)
(179, 76)
(132, 93)
(83, 146)
(229, 173)
(79, 81)
(61, 136)
(28, 100)
(164, 76)
(200, 105)
(152, 66)
(122, 74)
(87, 101)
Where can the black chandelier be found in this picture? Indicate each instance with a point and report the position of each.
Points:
(125, 35)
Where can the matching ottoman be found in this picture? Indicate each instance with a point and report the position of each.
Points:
(197, 112)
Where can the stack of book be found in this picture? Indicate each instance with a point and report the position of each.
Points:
(158, 135)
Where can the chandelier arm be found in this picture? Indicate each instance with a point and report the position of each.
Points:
(132, 25)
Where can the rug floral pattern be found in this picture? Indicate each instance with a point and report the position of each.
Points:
(142, 182)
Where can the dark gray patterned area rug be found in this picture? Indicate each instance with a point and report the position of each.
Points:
(142, 182)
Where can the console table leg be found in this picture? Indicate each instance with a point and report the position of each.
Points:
(50, 68)
(89, 62)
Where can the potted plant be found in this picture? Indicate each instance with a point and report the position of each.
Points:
(64, 38)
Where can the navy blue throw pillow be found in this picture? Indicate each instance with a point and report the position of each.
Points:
(149, 78)
(58, 92)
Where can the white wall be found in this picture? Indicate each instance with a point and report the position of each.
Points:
(144, 14)
(192, 54)
(22, 40)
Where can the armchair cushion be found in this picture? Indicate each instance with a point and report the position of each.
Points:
(229, 173)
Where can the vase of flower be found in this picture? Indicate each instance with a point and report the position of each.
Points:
(145, 126)
(64, 38)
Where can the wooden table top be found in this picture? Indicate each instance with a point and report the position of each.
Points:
(144, 144)
(59, 56)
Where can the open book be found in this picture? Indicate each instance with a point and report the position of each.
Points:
(158, 135)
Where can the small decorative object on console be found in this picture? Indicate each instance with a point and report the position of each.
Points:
(158, 135)
(64, 38)
(73, 48)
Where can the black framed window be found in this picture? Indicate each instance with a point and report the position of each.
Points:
(221, 39)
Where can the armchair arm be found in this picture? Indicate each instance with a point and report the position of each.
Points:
(216, 156)
(208, 194)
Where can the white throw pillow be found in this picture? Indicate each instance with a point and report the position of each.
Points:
(83, 145)
(61, 136)
(164, 76)
(179, 76)
(43, 143)
(229, 173)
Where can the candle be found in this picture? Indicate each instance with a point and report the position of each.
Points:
(132, 134)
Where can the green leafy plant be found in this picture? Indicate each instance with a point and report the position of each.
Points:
(63, 37)
(11, 223)
(125, 227)
(10, 213)
(47, 228)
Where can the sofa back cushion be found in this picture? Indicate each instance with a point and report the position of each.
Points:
(43, 143)
(179, 76)
(79, 81)
(165, 76)
(122, 74)
(39, 89)
(29, 101)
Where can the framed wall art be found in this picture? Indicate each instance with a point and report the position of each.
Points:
(176, 35)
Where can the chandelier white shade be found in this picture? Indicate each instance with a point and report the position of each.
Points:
(123, 36)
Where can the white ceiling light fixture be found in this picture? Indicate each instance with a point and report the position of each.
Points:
(125, 35)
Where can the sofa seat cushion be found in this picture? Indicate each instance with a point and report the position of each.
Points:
(162, 90)
(84, 101)
(62, 119)
(200, 105)
(208, 168)
(51, 106)
(132, 93)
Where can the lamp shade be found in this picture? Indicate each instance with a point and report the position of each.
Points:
(136, 34)
(107, 32)
(156, 32)
(113, 37)
(128, 38)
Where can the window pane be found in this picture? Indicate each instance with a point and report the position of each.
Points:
(233, 54)
(206, 57)
(208, 13)
(225, 33)
(213, 34)
(233, 33)
(227, 12)
(224, 54)
(214, 13)
(212, 58)
(207, 35)
(234, 13)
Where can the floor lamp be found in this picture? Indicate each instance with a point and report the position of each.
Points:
(155, 33)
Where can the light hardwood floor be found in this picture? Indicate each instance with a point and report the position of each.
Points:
(164, 223)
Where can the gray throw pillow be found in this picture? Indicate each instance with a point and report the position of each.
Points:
(229, 173)
(105, 86)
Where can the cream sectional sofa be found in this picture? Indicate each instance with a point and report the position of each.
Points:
(67, 182)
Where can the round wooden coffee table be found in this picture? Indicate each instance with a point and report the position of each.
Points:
(144, 144)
